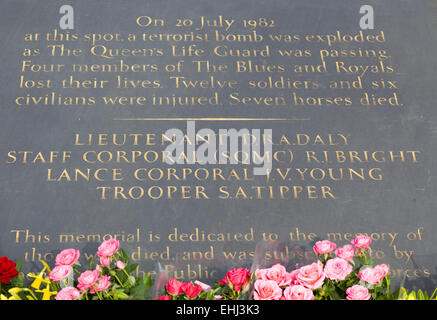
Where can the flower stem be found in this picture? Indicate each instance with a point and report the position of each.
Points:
(387, 280)
(100, 298)
(127, 274)
(32, 294)
(118, 280)
(54, 286)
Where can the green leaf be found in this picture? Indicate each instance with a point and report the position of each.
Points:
(401, 293)
(395, 295)
(123, 256)
(334, 295)
(131, 281)
(412, 296)
(92, 263)
(140, 292)
(432, 296)
(121, 275)
(210, 295)
(18, 281)
(131, 268)
(426, 295)
(120, 295)
(18, 265)
(147, 280)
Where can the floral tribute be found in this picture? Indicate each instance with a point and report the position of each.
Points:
(235, 285)
(344, 273)
(339, 273)
(109, 279)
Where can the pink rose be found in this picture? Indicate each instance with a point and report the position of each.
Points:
(311, 276)
(108, 248)
(68, 293)
(383, 269)
(261, 274)
(101, 284)
(191, 290)
(276, 273)
(164, 297)
(380, 271)
(59, 272)
(374, 275)
(267, 290)
(298, 292)
(325, 246)
(362, 241)
(347, 252)
(87, 279)
(366, 275)
(105, 261)
(67, 257)
(174, 287)
(293, 276)
(337, 269)
(357, 292)
(239, 278)
(120, 265)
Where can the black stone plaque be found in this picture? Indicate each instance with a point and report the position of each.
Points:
(87, 102)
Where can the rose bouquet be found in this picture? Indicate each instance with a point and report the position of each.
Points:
(177, 290)
(235, 285)
(10, 277)
(339, 273)
(108, 280)
(344, 273)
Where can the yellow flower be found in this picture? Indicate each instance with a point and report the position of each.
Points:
(36, 284)
(47, 293)
(46, 266)
(14, 293)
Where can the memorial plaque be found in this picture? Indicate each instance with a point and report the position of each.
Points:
(207, 135)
